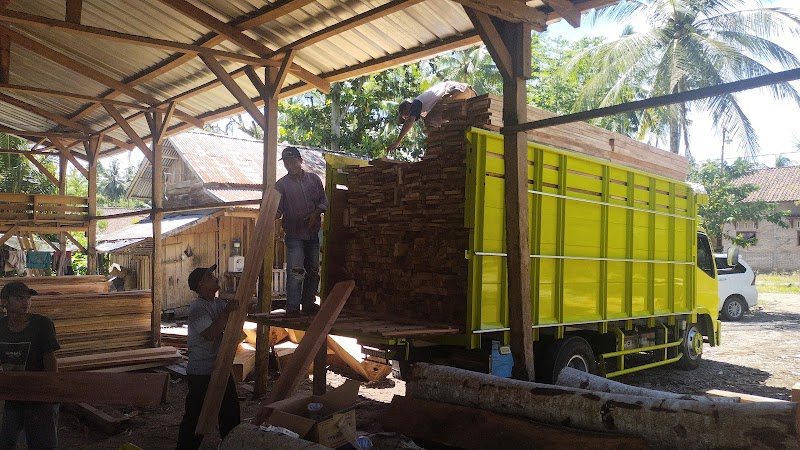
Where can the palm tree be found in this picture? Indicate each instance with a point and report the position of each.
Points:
(17, 174)
(691, 44)
(112, 182)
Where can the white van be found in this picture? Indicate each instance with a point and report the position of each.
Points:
(737, 288)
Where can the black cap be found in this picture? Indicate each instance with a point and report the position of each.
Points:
(290, 152)
(16, 289)
(198, 274)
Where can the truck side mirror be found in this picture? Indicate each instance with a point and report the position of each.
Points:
(733, 256)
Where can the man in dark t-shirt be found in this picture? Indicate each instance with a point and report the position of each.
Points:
(27, 343)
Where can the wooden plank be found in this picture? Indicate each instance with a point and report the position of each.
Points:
(473, 428)
(743, 398)
(109, 423)
(264, 227)
(796, 393)
(142, 389)
(307, 349)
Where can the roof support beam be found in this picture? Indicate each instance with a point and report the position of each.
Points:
(67, 154)
(41, 168)
(93, 152)
(234, 35)
(47, 134)
(74, 11)
(158, 124)
(511, 11)
(5, 57)
(567, 10)
(14, 151)
(494, 42)
(61, 120)
(75, 242)
(234, 89)
(62, 94)
(89, 72)
(126, 127)
(30, 20)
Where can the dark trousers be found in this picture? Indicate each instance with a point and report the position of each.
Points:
(228, 412)
(39, 420)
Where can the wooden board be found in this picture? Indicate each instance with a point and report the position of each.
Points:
(142, 389)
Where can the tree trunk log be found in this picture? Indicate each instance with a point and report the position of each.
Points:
(575, 378)
(662, 422)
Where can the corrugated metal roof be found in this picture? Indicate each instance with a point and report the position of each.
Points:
(144, 228)
(104, 55)
(222, 163)
(778, 184)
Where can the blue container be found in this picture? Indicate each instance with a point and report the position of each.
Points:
(501, 363)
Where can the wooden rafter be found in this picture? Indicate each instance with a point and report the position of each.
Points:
(36, 133)
(455, 43)
(126, 127)
(74, 11)
(89, 72)
(491, 37)
(62, 94)
(61, 120)
(511, 11)
(47, 241)
(67, 154)
(8, 233)
(25, 152)
(53, 179)
(234, 89)
(270, 88)
(30, 20)
(567, 10)
(234, 35)
(208, 42)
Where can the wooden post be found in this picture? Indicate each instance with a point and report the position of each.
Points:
(62, 190)
(269, 92)
(517, 38)
(158, 124)
(93, 153)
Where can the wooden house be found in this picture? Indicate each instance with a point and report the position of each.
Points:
(199, 169)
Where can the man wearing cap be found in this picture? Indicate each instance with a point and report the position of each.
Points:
(27, 343)
(207, 318)
(302, 202)
(425, 107)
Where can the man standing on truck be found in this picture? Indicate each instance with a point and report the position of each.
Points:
(302, 203)
(429, 106)
(27, 343)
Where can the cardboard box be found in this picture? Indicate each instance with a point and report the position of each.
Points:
(337, 425)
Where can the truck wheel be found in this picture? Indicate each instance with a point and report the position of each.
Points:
(691, 348)
(572, 352)
(733, 308)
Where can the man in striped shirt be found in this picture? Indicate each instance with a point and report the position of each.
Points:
(302, 203)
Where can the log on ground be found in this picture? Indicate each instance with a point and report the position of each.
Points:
(662, 422)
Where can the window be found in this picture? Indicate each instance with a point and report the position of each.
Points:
(797, 222)
(746, 225)
(723, 268)
(705, 259)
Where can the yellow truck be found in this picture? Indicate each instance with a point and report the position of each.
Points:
(622, 276)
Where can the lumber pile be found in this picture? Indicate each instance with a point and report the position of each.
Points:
(98, 322)
(161, 356)
(63, 285)
(402, 234)
(486, 111)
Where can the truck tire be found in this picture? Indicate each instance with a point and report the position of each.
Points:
(691, 348)
(733, 309)
(572, 352)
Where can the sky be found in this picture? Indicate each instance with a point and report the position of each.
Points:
(775, 121)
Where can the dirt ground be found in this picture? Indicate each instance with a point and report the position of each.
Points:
(759, 355)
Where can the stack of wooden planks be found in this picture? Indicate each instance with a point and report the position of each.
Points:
(98, 323)
(67, 284)
(403, 236)
(111, 361)
(486, 112)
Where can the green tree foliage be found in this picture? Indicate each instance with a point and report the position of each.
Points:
(18, 174)
(112, 182)
(726, 201)
(783, 161)
(690, 44)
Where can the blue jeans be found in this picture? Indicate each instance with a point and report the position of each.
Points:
(302, 272)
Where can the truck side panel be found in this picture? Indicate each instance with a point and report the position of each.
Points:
(607, 242)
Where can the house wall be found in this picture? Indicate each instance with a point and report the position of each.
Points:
(777, 249)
